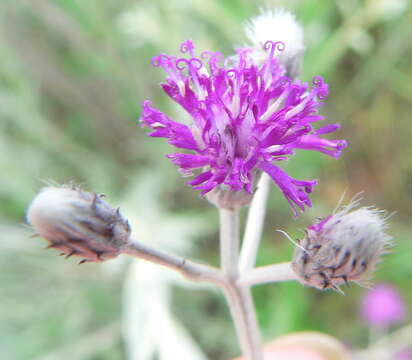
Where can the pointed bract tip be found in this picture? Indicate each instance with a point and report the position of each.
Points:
(78, 223)
(343, 247)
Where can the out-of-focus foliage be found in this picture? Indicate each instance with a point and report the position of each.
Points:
(72, 76)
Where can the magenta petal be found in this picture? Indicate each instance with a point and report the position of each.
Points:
(189, 161)
(327, 129)
(201, 178)
(318, 226)
(330, 147)
(245, 114)
(294, 190)
(179, 135)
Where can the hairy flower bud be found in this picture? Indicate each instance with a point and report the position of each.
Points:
(343, 247)
(278, 25)
(78, 223)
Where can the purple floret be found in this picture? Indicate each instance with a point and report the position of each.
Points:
(383, 306)
(246, 116)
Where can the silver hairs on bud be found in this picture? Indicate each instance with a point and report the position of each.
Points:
(278, 25)
(343, 247)
(78, 223)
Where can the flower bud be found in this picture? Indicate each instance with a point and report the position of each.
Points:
(78, 223)
(343, 247)
(278, 25)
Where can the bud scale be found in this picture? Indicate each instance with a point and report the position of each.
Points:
(78, 223)
(343, 247)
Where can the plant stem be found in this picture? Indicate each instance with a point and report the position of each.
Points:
(190, 269)
(238, 297)
(269, 273)
(243, 313)
(254, 225)
(229, 241)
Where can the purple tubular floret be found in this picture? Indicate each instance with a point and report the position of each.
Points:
(245, 114)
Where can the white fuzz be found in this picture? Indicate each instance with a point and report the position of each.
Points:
(49, 207)
(78, 223)
(343, 247)
(277, 25)
(367, 224)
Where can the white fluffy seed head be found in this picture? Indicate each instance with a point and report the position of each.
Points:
(78, 223)
(278, 25)
(343, 247)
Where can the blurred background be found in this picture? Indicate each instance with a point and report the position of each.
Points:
(72, 76)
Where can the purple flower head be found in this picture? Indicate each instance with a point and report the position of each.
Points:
(383, 306)
(246, 116)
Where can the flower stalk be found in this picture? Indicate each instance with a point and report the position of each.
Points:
(242, 309)
(190, 269)
(254, 225)
(239, 297)
(236, 290)
(229, 241)
(268, 274)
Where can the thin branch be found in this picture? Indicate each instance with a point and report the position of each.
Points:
(239, 297)
(254, 225)
(267, 274)
(190, 269)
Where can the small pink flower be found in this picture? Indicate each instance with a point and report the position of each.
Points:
(383, 306)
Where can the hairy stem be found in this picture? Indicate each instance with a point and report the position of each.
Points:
(254, 225)
(190, 269)
(237, 294)
(238, 297)
(267, 274)
(243, 313)
(229, 241)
